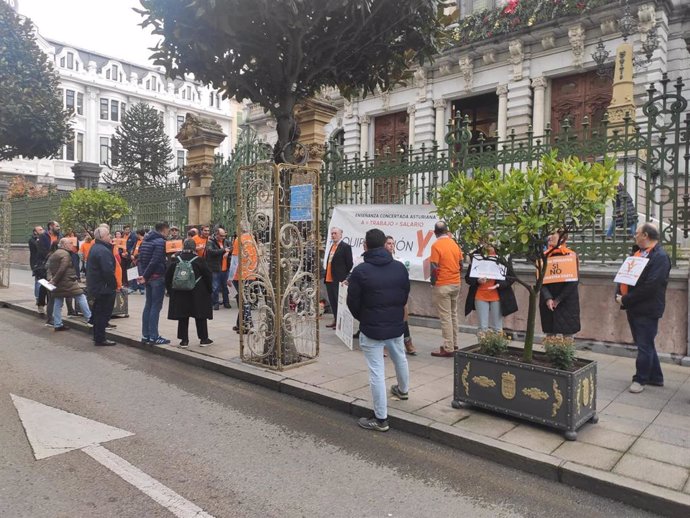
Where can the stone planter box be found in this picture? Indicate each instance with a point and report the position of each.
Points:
(551, 397)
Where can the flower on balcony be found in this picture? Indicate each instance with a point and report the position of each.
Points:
(510, 7)
(517, 15)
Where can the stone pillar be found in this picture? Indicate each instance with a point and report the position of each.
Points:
(623, 99)
(411, 129)
(425, 123)
(440, 122)
(312, 117)
(200, 137)
(364, 121)
(4, 188)
(519, 107)
(86, 175)
(502, 92)
(539, 86)
(92, 151)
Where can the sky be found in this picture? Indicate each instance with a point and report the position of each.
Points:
(106, 26)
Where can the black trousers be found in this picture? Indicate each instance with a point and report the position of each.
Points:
(102, 310)
(183, 328)
(246, 307)
(647, 366)
(49, 307)
(332, 288)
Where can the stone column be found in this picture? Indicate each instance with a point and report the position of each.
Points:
(425, 123)
(440, 122)
(502, 92)
(411, 110)
(364, 121)
(539, 86)
(200, 137)
(86, 175)
(4, 189)
(623, 99)
(92, 151)
(312, 117)
(519, 107)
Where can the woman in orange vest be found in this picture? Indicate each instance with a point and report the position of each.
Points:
(559, 303)
(244, 268)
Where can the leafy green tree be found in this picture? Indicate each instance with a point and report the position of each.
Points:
(85, 209)
(33, 123)
(518, 211)
(278, 53)
(140, 150)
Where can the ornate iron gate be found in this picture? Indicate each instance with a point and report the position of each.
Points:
(5, 242)
(278, 229)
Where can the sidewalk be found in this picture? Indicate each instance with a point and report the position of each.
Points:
(639, 451)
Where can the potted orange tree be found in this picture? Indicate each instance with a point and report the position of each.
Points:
(517, 212)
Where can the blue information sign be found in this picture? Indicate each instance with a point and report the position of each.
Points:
(301, 202)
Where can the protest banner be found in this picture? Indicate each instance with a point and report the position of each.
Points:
(173, 246)
(487, 269)
(412, 227)
(630, 271)
(561, 268)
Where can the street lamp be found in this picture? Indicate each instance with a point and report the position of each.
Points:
(600, 55)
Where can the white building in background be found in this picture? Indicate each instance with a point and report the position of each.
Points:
(98, 89)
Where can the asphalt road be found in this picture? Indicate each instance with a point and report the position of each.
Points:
(233, 449)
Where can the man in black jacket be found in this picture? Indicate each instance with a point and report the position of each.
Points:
(338, 265)
(37, 262)
(376, 296)
(101, 284)
(645, 303)
(218, 250)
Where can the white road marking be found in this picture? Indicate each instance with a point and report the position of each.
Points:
(52, 431)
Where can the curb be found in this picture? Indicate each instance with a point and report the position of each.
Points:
(633, 492)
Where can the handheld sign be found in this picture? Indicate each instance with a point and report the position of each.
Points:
(487, 269)
(345, 324)
(173, 246)
(120, 243)
(561, 268)
(47, 285)
(631, 270)
(132, 273)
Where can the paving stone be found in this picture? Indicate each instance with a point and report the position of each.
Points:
(594, 434)
(485, 424)
(668, 435)
(631, 411)
(653, 471)
(348, 383)
(674, 420)
(622, 424)
(442, 412)
(643, 400)
(661, 451)
(534, 438)
(609, 394)
(687, 487)
(588, 454)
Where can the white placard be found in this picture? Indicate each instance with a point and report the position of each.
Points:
(132, 273)
(412, 227)
(631, 270)
(487, 269)
(47, 285)
(232, 292)
(345, 324)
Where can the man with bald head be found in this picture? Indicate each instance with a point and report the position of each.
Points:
(101, 283)
(645, 303)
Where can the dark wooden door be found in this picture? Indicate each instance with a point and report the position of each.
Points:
(391, 137)
(574, 97)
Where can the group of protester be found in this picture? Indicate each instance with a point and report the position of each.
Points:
(379, 287)
(199, 275)
(211, 261)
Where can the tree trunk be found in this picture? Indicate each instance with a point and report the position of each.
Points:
(531, 321)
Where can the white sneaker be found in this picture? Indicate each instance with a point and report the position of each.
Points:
(636, 388)
(41, 310)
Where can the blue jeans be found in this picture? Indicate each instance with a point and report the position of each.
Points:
(57, 309)
(155, 293)
(373, 352)
(489, 315)
(220, 285)
(647, 366)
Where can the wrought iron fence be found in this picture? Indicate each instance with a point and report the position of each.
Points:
(652, 153)
(28, 213)
(152, 204)
(5, 241)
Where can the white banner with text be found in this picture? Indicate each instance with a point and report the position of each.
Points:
(412, 227)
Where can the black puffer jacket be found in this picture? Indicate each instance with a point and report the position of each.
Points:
(377, 294)
(214, 254)
(565, 319)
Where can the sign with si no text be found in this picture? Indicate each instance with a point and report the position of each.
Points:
(561, 268)
(172, 246)
(630, 270)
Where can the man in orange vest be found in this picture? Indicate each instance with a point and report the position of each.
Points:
(202, 241)
(446, 267)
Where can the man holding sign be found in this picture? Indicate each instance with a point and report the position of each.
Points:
(643, 296)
